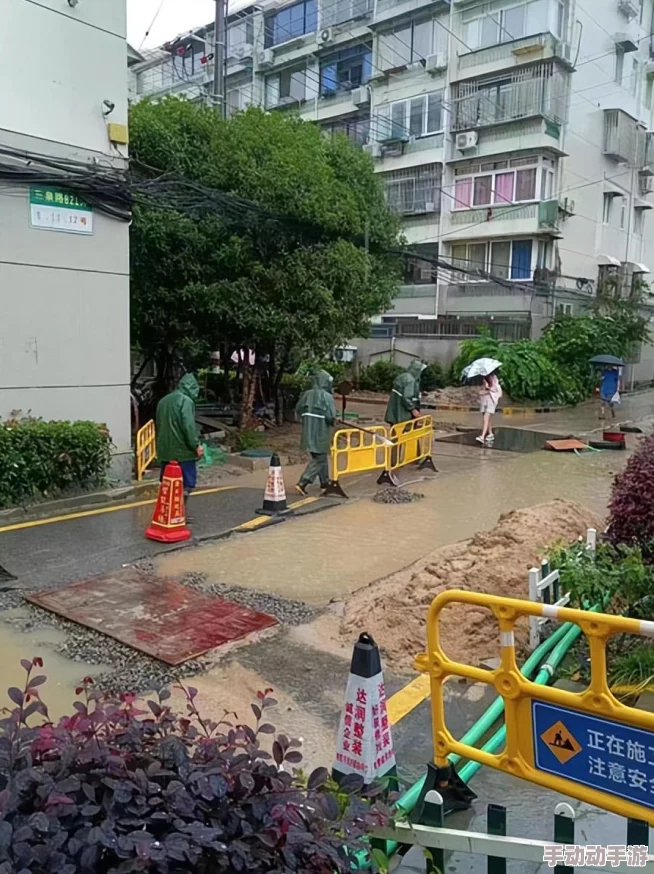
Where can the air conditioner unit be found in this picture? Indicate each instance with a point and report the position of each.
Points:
(325, 36)
(436, 63)
(646, 184)
(467, 140)
(265, 58)
(361, 96)
(373, 149)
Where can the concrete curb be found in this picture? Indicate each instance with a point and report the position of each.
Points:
(78, 502)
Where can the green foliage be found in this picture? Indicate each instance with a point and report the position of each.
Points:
(248, 439)
(41, 459)
(336, 369)
(557, 367)
(633, 668)
(379, 376)
(433, 377)
(202, 281)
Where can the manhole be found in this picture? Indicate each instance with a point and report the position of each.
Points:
(159, 617)
(506, 439)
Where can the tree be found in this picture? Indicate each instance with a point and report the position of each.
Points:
(304, 271)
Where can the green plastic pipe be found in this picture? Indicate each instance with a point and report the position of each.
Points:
(542, 679)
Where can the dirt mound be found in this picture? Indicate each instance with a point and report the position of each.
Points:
(496, 562)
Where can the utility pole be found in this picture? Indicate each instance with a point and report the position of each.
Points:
(219, 45)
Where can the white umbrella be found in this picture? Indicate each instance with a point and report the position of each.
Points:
(480, 367)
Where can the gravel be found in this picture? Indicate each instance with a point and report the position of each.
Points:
(129, 669)
(287, 612)
(396, 496)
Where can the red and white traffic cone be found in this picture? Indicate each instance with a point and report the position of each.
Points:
(169, 518)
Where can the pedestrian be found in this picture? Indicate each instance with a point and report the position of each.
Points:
(491, 392)
(609, 391)
(317, 411)
(177, 433)
(404, 400)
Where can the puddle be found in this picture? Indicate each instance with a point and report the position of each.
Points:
(63, 674)
(506, 439)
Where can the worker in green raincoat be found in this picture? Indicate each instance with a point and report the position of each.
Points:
(317, 411)
(177, 433)
(404, 401)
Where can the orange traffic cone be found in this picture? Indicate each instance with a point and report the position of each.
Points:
(169, 518)
(274, 498)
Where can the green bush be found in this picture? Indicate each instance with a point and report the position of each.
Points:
(248, 439)
(41, 459)
(433, 377)
(379, 376)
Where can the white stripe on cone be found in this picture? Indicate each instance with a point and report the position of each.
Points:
(275, 490)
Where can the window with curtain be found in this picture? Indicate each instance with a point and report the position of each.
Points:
(504, 187)
(521, 259)
(525, 184)
(514, 184)
(483, 190)
(462, 193)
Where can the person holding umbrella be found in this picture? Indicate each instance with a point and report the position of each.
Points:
(610, 383)
(491, 392)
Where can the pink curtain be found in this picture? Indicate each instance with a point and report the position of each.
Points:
(462, 193)
(504, 187)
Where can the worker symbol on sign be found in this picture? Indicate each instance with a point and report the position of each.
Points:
(561, 742)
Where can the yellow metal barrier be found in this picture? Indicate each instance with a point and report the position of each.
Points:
(357, 451)
(414, 441)
(587, 745)
(145, 448)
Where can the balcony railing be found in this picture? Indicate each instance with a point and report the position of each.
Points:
(624, 138)
(506, 50)
(519, 212)
(539, 90)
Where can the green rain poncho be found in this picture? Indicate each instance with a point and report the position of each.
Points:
(317, 411)
(405, 396)
(177, 433)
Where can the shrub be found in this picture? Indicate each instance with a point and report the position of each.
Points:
(122, 787)
(631, 509)
(433, 377)
(248, 439)
(379, 376)
(40, 459)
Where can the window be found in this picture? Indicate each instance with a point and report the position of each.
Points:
(291, 22)
(606, 211)
(414, 191)
(619, 66)
(355, 129)
(623, 213)
(338, 11)
(506, 259)
(564, 309)
(346, 70)
(287, 86)
(239, 34)
(419, 272)
(507, 185)
(418, 117)
(515, 22)
(412, 43)
(639, 221)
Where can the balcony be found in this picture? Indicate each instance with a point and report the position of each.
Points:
(624, 138)
(537, 91)
(498, 221)
(505, 55)
(387, 9)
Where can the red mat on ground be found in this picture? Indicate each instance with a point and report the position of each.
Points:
(159, 617)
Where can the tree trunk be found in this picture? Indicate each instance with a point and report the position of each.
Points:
(279, 375)
(247, 401)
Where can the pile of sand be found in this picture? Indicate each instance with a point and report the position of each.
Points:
(496, 562)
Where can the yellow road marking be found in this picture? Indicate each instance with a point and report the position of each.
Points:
(408, 698)
(83, 513)
(251, 524)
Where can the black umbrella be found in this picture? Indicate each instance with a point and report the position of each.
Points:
(609, 360)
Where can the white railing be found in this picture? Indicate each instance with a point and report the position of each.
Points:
(498, 213)
(545, 588)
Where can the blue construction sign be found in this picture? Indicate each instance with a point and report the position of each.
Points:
(600, 753)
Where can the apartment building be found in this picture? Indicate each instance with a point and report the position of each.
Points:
(512, 137)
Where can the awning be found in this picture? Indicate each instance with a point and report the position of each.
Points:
(637, 267)
(643, 204)
(608, 261)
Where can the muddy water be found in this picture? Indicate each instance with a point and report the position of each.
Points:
(327, 556)
(63, 675)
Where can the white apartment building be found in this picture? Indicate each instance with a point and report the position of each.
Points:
(64, 265)
(513, 137)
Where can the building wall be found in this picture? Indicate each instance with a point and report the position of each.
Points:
(64, 335)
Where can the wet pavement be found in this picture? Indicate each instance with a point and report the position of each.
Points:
(93, 544)
(506, 439)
